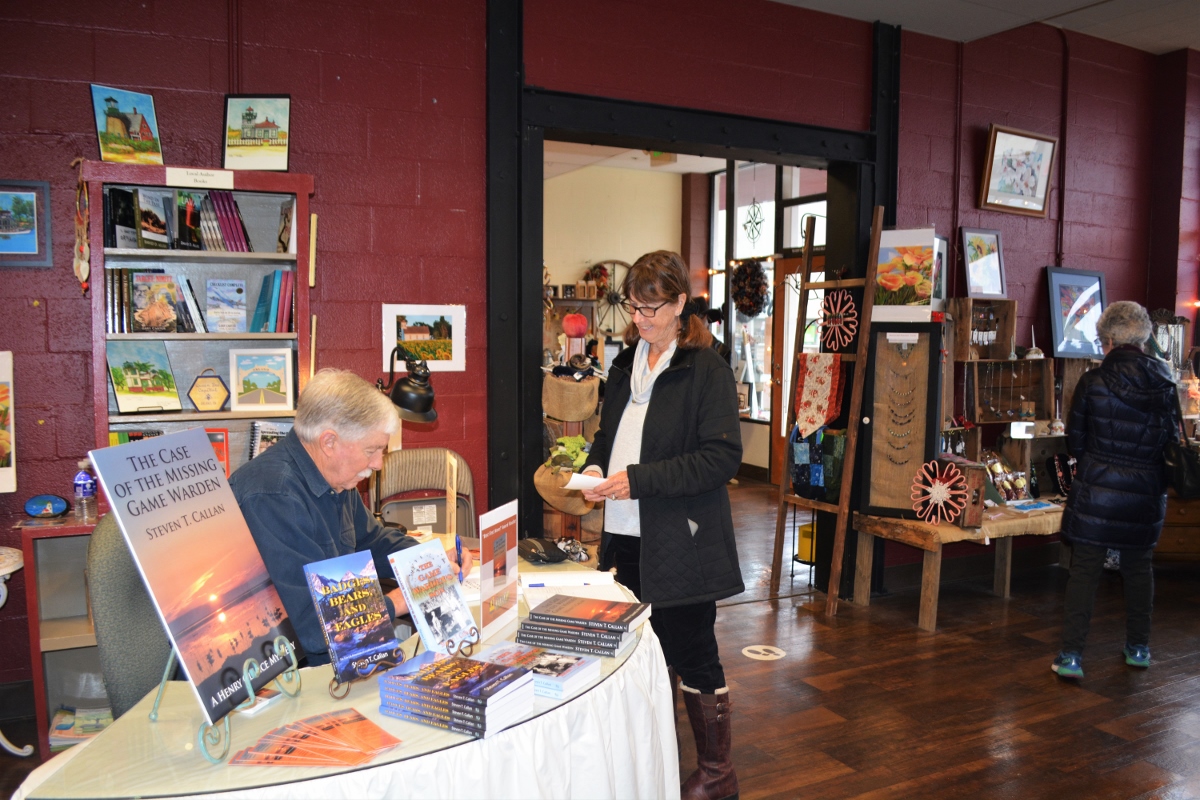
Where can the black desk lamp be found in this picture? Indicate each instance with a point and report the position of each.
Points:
(413, 395)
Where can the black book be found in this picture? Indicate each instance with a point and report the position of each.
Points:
(559, 643)
(613, 615)
(124, 218)
(600, 636)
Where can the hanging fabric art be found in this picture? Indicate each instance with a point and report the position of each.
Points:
(818, 390)
(839, 320)
(939, 493)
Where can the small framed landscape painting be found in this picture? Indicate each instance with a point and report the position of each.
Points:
(260, 379)
(25, 239)
(437, 334)
(1076, 302)
(142, 379)
(983, 260)
(126, 126)
(256, 133)
(1017, 170)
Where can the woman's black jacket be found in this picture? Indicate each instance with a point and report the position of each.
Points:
(691, 447)
(1123, 413)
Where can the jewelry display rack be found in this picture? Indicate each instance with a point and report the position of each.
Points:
(786, 496)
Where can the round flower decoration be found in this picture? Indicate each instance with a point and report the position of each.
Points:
(939, 493)
(750, 289)
(839, 319)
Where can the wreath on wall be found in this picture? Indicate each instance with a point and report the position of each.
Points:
(750, 288)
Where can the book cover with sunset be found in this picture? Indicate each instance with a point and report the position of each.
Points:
(202, 569)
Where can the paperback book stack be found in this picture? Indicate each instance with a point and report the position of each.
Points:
(583, 625)
(555, 675)
(459, 694)
(71, 726)
(336, 739)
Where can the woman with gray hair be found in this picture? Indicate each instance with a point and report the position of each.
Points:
(1122, 415)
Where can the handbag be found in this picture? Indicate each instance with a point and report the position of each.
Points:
(1182, 462)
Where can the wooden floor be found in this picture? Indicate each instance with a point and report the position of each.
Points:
(866, 705)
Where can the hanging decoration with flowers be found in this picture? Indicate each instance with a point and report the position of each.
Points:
(839, 320)
(939, 493)
(750, 290)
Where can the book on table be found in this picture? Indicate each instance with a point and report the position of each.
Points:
(555, 674)
(600, 637)
(498, 569)
(205, 577)
(354, 617)
(434, 596)
(575, 645)
(590, 612)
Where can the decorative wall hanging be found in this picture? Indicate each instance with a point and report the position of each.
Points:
(818, 390)
(1076, 302)
(754, 221)
(1017, 170)
(257, 131)
(839, 320)
(750, 289)
(435, 333)
(983, 260)
(939, 493)
(126, 126)
(25, 224)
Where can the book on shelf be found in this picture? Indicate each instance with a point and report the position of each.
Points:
(284, 314)
(126, 436)
(591, 612)
(287, 217)
(214, 239)
(191, 543)
(188, 293)
(265, 433)
(153, 299)
(555, 675)
(225, 303)
(141, 376)
(187, 220)
(354, 617)
(122, 218)
(434, 596)
(168, 206)
(151, 227)
(573, 645)
(219, 438)
(258, 322)
(273, 303)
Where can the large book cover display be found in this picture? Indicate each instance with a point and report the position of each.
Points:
(199, 562)
(498, 568)
(354, 617)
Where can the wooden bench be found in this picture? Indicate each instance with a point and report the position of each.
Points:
(1000, 524)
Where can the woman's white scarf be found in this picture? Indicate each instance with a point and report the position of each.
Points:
(642, 381)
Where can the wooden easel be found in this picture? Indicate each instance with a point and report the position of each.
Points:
(786, 496)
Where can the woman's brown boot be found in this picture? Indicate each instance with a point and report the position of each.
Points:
(714, 778)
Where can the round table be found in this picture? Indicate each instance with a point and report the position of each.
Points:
(11, 560)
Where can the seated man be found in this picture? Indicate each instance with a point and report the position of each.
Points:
(301, 502)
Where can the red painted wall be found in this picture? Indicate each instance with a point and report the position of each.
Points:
(388, 114)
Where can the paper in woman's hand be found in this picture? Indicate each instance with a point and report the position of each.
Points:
(580, 481)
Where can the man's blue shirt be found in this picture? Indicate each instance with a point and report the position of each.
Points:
(297, 518)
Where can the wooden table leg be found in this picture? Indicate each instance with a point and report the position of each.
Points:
(862, 569)
(1001, 580)
(931, 578)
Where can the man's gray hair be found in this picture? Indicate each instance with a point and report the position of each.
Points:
(1124, 322)
(339, 400)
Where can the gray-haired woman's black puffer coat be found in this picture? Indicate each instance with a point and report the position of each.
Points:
(1123, 413)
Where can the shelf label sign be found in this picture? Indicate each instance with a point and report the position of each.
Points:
(200, 178)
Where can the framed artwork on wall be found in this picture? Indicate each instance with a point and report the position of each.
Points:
(25, 239)
(743, 394)
(437, 334)
(1017, 171)
(257, 130)
(1077, 300)
(261, 379)
(8, 427)
(941, 262)
(126, 126)
(983, 260)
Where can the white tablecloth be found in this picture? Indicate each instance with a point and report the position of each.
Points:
(615, 740)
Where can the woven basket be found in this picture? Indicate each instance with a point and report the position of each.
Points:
(549, 485)
(568, 399)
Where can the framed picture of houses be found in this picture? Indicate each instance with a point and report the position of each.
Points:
(437, 334)
(256, 131)
(142, 380)
(126, 126)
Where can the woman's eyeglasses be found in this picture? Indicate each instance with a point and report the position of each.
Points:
(646, 311)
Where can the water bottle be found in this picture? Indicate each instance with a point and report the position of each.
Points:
(85, 493)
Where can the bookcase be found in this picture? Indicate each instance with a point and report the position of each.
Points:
(191, 354)
(62, 640)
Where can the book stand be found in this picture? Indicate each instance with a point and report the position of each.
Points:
(209, 736)
(339, 690)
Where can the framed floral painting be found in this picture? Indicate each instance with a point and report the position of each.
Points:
(983, 260)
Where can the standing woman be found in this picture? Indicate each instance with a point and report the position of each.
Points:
(1122, 415)
(669, 441)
